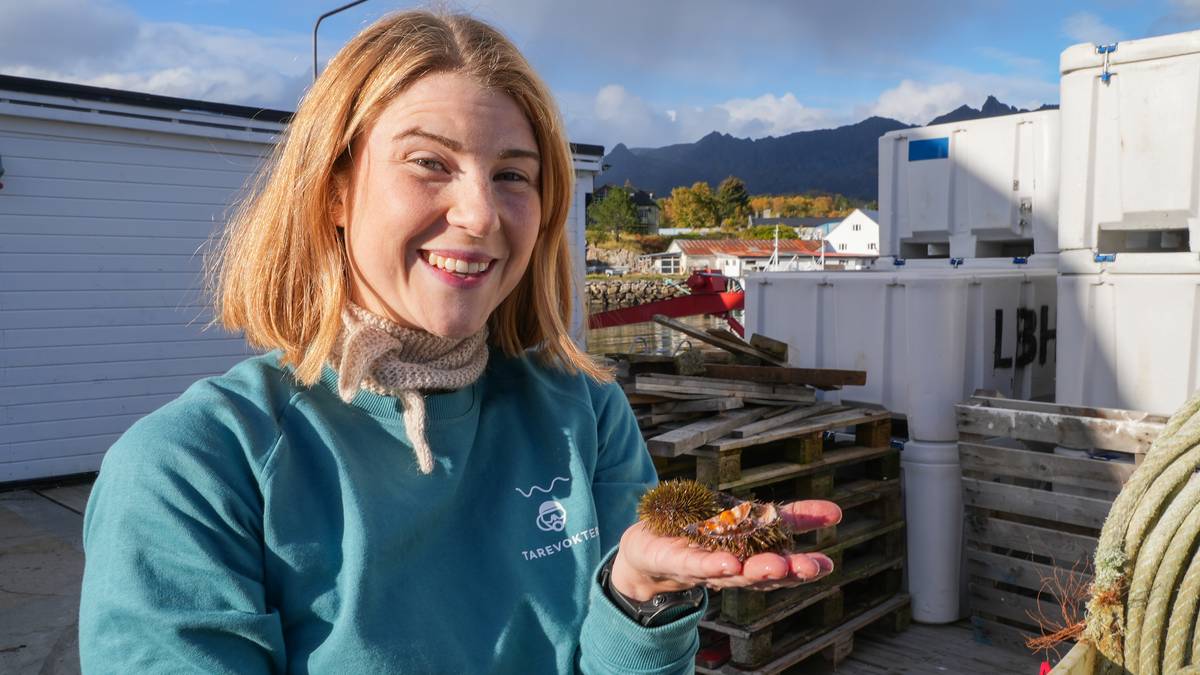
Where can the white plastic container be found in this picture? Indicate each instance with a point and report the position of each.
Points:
(1131, 147)
(927, 339)
(1128, 340)
(983, 188)
(934, 517)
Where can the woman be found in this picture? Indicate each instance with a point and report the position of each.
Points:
(425, 475)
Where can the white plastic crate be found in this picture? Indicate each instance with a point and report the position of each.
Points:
(1131, 147)
(1128, 340)
(927, 339)
(983, 188)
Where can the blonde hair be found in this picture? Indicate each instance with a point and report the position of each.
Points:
(281, 274)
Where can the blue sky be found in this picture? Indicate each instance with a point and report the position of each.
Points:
(642, 72)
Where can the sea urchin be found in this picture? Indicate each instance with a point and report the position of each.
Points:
(672, 506)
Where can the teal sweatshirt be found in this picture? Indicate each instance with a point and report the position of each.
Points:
(255, 526)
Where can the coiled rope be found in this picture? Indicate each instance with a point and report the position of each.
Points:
(1143, 610)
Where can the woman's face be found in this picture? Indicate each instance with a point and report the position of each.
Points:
(443, 206)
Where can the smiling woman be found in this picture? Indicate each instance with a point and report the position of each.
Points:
(424, 474)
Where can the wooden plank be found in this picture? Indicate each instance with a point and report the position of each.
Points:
(782, 419)
(689, 381)
(1056, 506)
(674, 443)
(1072, 431)
(728, 345)
(994, 633)
(776, 348)
(1019, 572)
(821, 643)
(1066, 550)
(986, 599)
(653, 420)
(822, 378)
(822, 423)
(1118, 414)
(777, 471)
(1084, 472)
(703, 405)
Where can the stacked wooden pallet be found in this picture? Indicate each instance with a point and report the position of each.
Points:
(755, 429)
(1034, 511)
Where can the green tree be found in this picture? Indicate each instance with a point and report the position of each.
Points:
(733, 202)
(613, 213)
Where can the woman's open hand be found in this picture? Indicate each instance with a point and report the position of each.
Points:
(647, 564)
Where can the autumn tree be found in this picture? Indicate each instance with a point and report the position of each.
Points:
(613, 213)
(733, 202)
(694, 206)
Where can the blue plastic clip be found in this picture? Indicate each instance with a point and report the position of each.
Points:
(1106, 50)
(898, 262)
(896, 444)
(955, 262)
(1020, 260)
(1105, 257)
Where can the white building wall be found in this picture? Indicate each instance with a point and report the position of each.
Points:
(857, 234)
(103, 223)
(106, 213)
(587, 167)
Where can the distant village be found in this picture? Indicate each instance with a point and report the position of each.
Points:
(629, 231)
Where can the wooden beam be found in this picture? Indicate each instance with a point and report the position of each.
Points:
(1067, 550)
(822, 378)
(821, 423)
(1050, 425)
(780, 420)
(1023, 501)
(701, 405)
(728, 345)
(1093, 473)
(674, 443)
(776, 348)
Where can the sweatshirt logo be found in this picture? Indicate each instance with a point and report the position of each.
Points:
(552, 517)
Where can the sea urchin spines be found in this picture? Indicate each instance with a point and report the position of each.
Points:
(745, 529)
(671, 506)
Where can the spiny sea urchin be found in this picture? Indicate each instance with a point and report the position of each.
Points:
(715, 521)
(672, 506)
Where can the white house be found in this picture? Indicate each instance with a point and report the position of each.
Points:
(857, 234)
(109, 200)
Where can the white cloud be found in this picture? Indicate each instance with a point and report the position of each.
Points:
(1087, 27)
(106, 45)
(917, 103)
(615, 115)
(769, 115)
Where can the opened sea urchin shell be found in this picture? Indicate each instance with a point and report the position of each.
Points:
(743, 529)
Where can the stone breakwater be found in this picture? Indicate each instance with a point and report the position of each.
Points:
(615, 293)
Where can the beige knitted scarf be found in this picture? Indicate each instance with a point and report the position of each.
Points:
(376, 354)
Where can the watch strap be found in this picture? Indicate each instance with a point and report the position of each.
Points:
(656, 611)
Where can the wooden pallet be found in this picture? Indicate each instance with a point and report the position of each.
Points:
(734, 458)
(1032, 517)
(835, 644)
(869, 539)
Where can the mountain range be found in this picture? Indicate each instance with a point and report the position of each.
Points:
(842, 160)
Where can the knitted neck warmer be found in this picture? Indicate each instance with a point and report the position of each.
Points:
(376, 354)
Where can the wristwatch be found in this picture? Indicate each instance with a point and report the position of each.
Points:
(657, 610)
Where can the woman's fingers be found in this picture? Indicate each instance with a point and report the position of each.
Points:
(811, 514)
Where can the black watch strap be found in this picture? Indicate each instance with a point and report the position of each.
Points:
(657, 610)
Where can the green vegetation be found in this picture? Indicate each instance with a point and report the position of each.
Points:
(613, 214)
